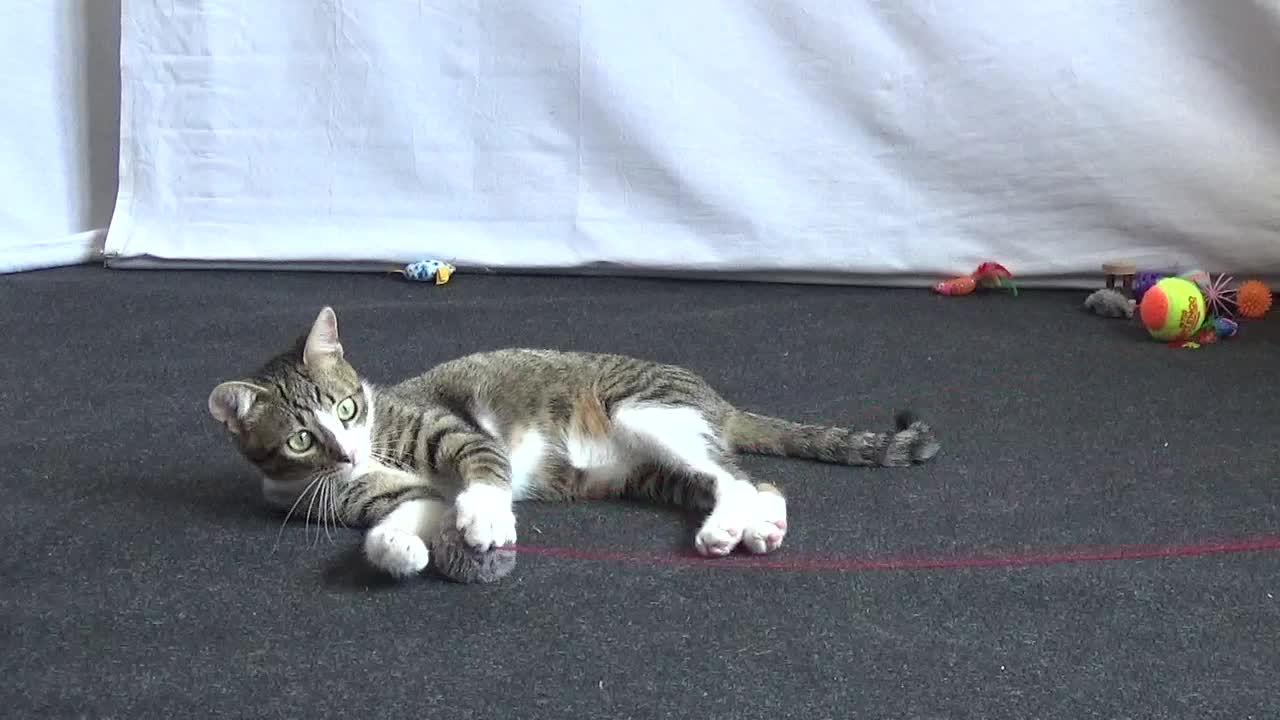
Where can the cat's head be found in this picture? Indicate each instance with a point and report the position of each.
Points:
(305, 415)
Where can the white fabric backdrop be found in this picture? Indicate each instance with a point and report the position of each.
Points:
(845, 138)
(59, 130)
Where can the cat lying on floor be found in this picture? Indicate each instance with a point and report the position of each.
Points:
(485, 430)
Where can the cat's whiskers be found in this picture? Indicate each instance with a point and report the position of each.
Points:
(381, 458)
(383, 455)
(284, 523)
(339, 500)
(326, 488)
(323, 479)
(331, 502)
(306, 519)
(399, 467)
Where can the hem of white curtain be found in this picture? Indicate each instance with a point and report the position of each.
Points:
(77, 249)
(908, 280)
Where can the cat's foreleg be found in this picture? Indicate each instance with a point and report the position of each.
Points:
(402, 512)
(484, 504)
(397, 544)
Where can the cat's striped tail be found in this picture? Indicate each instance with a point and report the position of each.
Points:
(913, 442)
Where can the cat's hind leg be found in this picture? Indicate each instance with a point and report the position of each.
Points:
(768, 524)
(680, 440)
(753, 513)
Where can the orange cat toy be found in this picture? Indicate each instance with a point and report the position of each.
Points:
(989, 275)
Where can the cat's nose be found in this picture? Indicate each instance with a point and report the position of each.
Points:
(346, 456)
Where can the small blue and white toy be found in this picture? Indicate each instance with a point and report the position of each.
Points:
(427, 270)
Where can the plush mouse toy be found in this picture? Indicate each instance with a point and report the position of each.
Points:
(452, 558)
(1109, 302)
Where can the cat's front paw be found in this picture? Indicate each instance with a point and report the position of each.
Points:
(485, 518)
(397, 552)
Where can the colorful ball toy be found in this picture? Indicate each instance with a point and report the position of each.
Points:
(1253, 299)
(1173, 309)
(1144, 281)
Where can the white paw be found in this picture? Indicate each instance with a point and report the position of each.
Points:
(722, 530)
(485, 518)
(397, 552)
(768, 525)
(719, 535)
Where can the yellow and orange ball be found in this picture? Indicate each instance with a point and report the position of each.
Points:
(1173, 309)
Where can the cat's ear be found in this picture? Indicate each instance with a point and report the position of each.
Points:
(322, 341)
(230, 403)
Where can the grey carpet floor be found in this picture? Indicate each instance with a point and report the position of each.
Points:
(141, 577)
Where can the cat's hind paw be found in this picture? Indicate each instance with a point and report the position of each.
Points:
(722, 530)
(717, 537)
(768, 525)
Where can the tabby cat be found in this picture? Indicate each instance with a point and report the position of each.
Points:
(488, 429)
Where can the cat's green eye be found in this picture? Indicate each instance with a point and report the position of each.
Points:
(300, 441)
(347, 409)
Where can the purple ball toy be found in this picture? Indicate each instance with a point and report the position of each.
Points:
(1144, 281)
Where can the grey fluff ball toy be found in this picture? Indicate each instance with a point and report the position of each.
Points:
(455, 560)
(1109, 302)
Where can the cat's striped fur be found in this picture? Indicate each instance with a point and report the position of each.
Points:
(488, 429)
